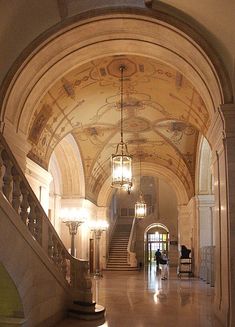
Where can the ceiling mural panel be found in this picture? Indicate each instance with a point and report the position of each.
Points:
(163, 115)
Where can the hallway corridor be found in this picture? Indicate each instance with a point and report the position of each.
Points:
(142, 299)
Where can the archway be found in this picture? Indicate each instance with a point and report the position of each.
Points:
(67, 189)
(132, 34)
(86, 47)
(11, 307)
(156, 237)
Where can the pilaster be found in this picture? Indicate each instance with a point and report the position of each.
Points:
(228, 113)
(18, 144)
(222, 140)
(205, 207)
(184, 227)
(39, 179)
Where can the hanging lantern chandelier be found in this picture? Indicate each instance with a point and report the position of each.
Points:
(140, 205)
(121, 161)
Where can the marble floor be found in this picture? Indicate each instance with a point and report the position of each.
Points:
(142, 299)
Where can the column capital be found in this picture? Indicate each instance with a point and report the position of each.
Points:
(205, 200)
(228, 116)
(221, 128)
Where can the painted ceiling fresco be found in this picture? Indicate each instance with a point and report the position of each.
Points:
(163, 115)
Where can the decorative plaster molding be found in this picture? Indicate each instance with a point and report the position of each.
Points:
(207, 200)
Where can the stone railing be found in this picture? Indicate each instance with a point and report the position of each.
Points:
(131, 255)
(20, 196)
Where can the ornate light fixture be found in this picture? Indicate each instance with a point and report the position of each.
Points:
(121, 160)
(73, 218)
(140, 206)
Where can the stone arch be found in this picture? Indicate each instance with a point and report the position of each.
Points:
(155, 37)
(70, 168)
(151, 34)
(11, 307)
(203, 171)
(54, 169)
(155, 225)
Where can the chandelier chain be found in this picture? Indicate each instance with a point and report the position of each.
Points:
(122, 68)
(121, 160)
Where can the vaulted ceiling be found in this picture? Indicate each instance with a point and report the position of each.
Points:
(163, 115)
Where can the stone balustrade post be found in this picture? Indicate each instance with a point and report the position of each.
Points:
(16, 190)
(7, 177)
(24, 203)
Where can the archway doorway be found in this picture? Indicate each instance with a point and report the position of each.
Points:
(165, 121)
(156, 237)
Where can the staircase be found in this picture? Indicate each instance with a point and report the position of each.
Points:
(34, 258)
(118, 255)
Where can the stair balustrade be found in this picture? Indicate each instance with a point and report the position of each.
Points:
(131, 255)
(21, 197)
(118, 251)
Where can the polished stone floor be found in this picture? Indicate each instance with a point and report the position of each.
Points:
(142, 299)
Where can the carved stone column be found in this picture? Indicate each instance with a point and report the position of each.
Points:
(205, 207)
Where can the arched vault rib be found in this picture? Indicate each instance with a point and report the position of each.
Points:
(129, 34)
(79, 46)
(71, 169)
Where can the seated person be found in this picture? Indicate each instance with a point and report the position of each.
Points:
(185, 252)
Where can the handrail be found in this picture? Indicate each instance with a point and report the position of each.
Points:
(131, 258)
(21, 197)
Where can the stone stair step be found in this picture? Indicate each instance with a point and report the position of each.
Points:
(122, 269)
(118, 255)
(117, 261)
(118, 248)
(86, 311)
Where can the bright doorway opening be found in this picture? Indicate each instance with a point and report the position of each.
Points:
(156, 237)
